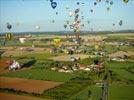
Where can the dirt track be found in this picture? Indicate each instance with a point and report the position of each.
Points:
(30, 86)
(6, 96)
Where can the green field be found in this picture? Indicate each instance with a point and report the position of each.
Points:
(121, 92)
(41, 74)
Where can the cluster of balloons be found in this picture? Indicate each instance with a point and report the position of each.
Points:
(53, 4)
(76, 24)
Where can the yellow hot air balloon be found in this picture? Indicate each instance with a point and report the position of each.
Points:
(96, 46)
(9, 36)
(57, 41)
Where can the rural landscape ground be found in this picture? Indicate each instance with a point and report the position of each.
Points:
(52, 71)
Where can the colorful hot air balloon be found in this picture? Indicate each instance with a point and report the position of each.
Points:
(54, 5)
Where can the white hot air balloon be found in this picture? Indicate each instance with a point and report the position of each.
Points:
(37, 27)
(71, 14)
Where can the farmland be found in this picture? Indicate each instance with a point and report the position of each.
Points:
(74, 82)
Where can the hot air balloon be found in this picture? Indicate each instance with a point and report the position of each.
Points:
(98, 0)
(121, 22)
(111, 2)
(107, 1)
(77, 10)
(51, 0)
(77, 3)
(95, 3)
(71, 14)
(57, 41)
(71, 26)
(56, 13)
(77, 15)
(53, 21)
(37, 27)
(113, 24)
(67, 7)
(125, 1)
(9, 36)
(65, 26)
(108, 8)
(88, 22)
(54, 5)
(9, 26)
(67, 21)
(91, 10)
(17, 24)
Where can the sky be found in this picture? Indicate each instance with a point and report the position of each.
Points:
(25, 15)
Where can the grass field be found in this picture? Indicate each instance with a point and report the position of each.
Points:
(84, 95)
(121, 69)
(121, 92)
(41, 74)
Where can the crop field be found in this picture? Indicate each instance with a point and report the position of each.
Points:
(37, 80)
(25, 84)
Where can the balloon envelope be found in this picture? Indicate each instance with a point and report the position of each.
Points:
(125, 1)
(9, 26)
(121, 22)
(37, 27)
(51, 0)
(53, 4)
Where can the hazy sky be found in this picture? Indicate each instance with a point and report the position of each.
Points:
(24, 15)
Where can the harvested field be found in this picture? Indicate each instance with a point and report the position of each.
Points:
(18, 51)
(30, 86)
(6, 96)
(122, 53)
(67, 57)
